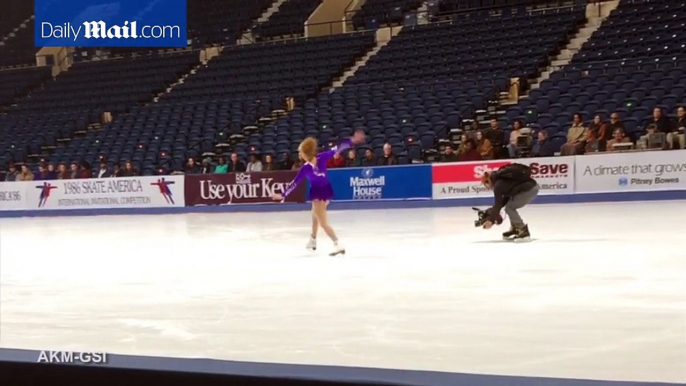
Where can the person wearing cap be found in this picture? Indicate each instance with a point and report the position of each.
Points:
(206, 166)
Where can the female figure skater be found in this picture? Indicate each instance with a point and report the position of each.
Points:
(321, 192)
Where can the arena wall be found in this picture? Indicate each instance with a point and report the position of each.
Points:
(632, 176)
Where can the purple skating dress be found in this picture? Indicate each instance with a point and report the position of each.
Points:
(320, 188)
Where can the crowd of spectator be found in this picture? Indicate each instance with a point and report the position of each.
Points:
(658, 133)
(475, 145)
(76, 170)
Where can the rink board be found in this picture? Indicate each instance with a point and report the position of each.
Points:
(327, 373)
(627, 176)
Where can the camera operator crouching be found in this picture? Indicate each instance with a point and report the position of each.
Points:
(513, 188)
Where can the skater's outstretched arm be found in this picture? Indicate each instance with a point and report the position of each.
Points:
(304, 172)
(358, 137)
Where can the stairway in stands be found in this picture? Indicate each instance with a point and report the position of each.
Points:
(595, 15)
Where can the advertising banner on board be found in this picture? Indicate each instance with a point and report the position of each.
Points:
(13, 195)
(104, 193)
(382, 183)
(632, 171)
(240, 188)
(463, 180)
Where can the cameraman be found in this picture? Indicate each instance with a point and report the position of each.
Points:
(513, 189)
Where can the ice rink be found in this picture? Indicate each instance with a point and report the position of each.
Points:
(599, 294)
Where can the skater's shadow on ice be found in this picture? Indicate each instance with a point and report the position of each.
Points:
(543, 241)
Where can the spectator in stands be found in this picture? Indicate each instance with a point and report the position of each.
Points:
(62, 172)
(236, 166)
(615, 123)
(12, 173)
(663, 124)
(645, 141)
(86, 170)
(473, 129)
(129, 170)
(369, 159)
(337, 161)
(463, 144)
(52, 173)
(42, 174)
(297, 165)
(352, 161)
(254, 165)
(576, 137)
(388, 157)
(103, 172)
(595, 139)
(25, 174)
(617, 137)
(206, 167)
(74, 172)
(512, 147)
(496, 136)
(191, 167)
(449, 155)
(543, 147)
(286, 162)
(470, 152)
(268, 165)
(676, 137)
(222, 167)
(483, 146)
(117, 172)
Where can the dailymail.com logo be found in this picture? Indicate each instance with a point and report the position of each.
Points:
(125, 23)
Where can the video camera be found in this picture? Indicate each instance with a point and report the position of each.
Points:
(483, 216)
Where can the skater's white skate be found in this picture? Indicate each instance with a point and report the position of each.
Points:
(312, 244)
(339, 249)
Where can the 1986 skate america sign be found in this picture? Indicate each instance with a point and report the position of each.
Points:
(240, 188)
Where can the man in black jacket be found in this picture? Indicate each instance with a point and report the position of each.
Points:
(513, 188)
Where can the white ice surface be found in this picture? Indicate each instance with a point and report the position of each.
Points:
(600, 293)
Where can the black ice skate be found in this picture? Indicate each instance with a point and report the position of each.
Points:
(522, 235)
(509, 235)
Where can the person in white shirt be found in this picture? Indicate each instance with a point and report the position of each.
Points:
(103, 172)
(255, 165)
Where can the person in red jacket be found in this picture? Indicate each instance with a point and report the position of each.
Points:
(86, 170)
(336, 162)
(470, 153)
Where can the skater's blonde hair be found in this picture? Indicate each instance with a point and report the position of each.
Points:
(308, 149)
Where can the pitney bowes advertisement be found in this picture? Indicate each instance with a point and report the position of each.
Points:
(463, 180)
(381, 183)
(626, 172)
(98, 193)
(240, 188)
